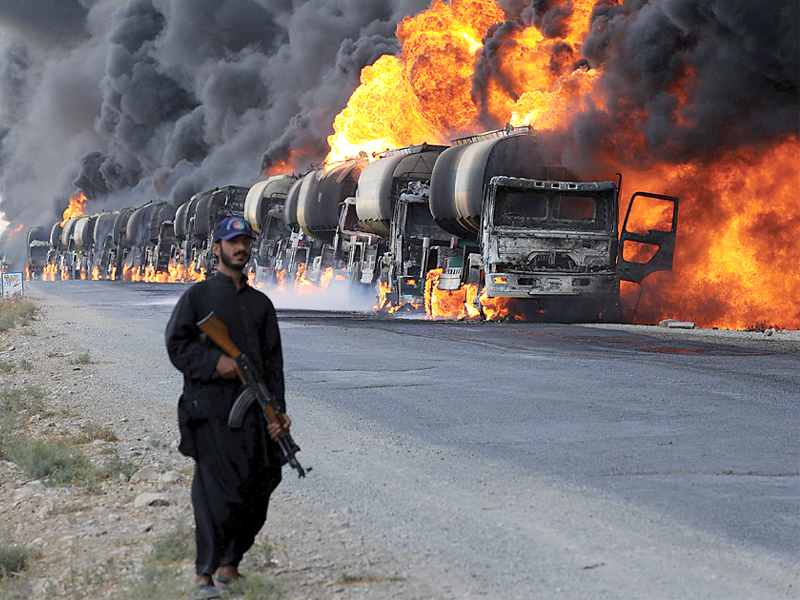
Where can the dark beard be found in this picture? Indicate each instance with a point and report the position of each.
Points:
(227, 260)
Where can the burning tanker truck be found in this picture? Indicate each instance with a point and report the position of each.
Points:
(490, 212)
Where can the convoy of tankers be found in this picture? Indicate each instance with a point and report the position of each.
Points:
(487, 218)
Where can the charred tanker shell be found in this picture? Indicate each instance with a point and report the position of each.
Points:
(382, 181)
(290, 206)
(83, 235)
(55, 235)
(137, 228)
(264, 197)
(164, 213)
(104, 228)
(65, 238)
(214, 205)
(184, 217)
(320, 195)
(120, 225)
(462, 173)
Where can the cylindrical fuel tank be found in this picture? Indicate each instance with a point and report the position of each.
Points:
(205, 210)
(462, 172)
(120, 223)
(104, 226)
(320, 195)
(66, 233)
(83, 235)
(55, 234)
(183, 217)
(163, 213)
(381, 182)
(290, 206)
(264, 195)
(137, 229)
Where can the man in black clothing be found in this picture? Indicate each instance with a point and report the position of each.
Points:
(235, 470)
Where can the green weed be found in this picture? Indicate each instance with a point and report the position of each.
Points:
(176, 545)
(14, 558)
(256, 587)
(93, 431)
(17, 311)
(81, 359)
(55, 462)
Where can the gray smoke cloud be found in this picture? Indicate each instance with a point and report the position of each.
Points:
(134, 100)
(739, 61)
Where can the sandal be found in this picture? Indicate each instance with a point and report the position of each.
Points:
(224, 583)
(205, 591)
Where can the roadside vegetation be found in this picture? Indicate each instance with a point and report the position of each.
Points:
(53, 460)
(16, 311)
(81, 359)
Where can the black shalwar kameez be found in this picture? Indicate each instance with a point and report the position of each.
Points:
(235, 470)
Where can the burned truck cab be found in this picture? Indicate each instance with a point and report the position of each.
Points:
(550, 238)
(558, 241)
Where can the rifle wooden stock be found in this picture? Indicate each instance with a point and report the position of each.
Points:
(214, 328)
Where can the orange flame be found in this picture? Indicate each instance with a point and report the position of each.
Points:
(738, 241)
(738, 237)
(77, 204)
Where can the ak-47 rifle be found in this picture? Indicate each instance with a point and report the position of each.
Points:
(254, 390)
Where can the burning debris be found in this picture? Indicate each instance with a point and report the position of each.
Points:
(685, 101)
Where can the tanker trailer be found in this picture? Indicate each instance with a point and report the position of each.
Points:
(54, 253)
(38, 247)
(103, 243)
(212, 206)
(66, 246)
(118, 243)
(162, 237)
(264, 210)
(289, 248)
(83, 236)
(379, 188)
(137, 238)
(320, 196)
(445, 231)
(184, 221)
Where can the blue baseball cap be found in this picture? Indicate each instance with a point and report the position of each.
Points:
(230, 227)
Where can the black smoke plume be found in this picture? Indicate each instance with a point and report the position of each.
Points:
(133, 100)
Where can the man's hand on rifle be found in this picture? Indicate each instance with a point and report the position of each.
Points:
(275, 429)
(227, 367)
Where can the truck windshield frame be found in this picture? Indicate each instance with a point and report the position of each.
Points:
(526, 208)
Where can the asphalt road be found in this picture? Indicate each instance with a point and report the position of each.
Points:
(537, 460)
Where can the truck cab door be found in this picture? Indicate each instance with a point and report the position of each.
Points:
(647, 240)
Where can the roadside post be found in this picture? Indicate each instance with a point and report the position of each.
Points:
(13, 284)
